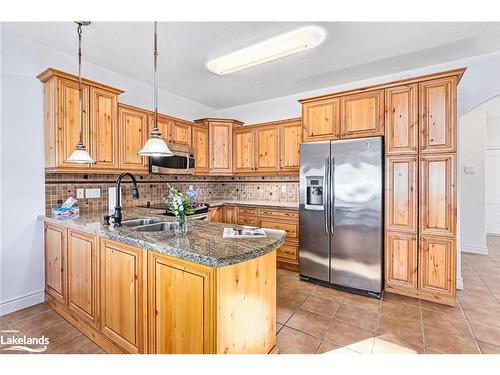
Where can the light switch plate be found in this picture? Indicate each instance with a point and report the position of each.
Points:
(80, 193)
(469, 169)
(93, 193)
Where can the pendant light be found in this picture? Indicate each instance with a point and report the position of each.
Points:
(155, 146)
(80, 155)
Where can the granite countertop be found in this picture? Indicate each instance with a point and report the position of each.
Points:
(250, 203)
(202, 244)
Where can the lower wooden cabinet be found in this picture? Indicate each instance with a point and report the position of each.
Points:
(83, 279)
(215, 214)
(229, 214)
(401, 260)
(437, 264)
(123, 295)
(180, 306)
(55, 262)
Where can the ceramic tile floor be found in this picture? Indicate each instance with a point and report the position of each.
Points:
(316, 319)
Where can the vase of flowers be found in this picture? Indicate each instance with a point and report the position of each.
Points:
(180, 205)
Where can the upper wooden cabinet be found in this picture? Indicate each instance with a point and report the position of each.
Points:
(438, 115)
(133, 129)
(180, 133)
(401, 120)
(164, 125)
(401, 193)
(55, 262)
(104, 129)
(362, 114)
(438, 195)
(290, 140)
(200, 148)
(83, 279)
(62, 122)
(244, 150)
(321, 120)
(267, 149)
(123, 295)
(220, 133)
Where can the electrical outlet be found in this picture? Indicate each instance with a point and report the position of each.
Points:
(80, 193)
(93, 193)
(283, 188)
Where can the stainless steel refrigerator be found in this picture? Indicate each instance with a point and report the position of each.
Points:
(341, 213)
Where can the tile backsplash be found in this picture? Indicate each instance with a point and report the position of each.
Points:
(59, 186)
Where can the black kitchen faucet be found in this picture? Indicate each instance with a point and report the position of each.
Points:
(117, 216)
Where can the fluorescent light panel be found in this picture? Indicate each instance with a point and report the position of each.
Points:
(268, 50)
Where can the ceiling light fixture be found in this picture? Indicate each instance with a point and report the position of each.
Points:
(155, 146)
(282, 45)
(80, 155)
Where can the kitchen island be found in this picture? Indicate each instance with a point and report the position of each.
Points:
(133, 291)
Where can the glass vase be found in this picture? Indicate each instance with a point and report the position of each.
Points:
(181, 228)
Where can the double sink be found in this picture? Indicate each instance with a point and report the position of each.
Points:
(150, 225)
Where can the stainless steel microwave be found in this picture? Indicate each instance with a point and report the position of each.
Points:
(182, 162)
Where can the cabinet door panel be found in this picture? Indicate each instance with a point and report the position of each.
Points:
(290, 140)
(200, 147)
(362, 115)
(244, 150)
(437, 262)
(401, 260)
(229, 214)
(215, 214)
(438, 111)
(437, 195)
(69, 121)
(220, 148)
(401, 193)
(133, 128)
(180, 311)
(82, 276)
(123, 295)
(321, 120)
(267, 148)
(55, 262)
(181, 133)
(164, 126)
(104, 129)
(401, 120)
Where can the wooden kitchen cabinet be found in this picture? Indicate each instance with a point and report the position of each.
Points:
(62, 122)
(266, 149)
(401, 260)
(133, 131)
(401, 120)
(438, 195)
(180, 308)
(220, 149)
(290, 139)
(104, 129)
(164, 125)
(244, 150)
(215, 214)
(437, 268)
(83, 278)
(438, 115)
(362, 114)
(200, 148)
(180, 133)
(401, 193)
(123, 295)
(321, 120)
(55, 262)
(229, 214)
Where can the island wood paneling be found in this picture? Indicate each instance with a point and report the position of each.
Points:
(55, 262)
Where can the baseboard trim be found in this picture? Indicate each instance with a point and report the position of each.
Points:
(473, 249)
(21, 302)
(460, 283)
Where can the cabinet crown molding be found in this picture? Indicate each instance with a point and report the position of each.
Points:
(449, 73)
(207, 120)
(51, 72)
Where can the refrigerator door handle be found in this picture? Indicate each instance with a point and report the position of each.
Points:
(326, 193)
(331, 183)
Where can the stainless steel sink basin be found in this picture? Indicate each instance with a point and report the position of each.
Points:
(138, 222)
(157, 227)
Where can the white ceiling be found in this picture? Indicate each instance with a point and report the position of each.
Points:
(352, 51)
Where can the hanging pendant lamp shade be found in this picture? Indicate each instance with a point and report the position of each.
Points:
(155, 146)
(80, 155)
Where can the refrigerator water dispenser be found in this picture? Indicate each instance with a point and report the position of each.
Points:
(314, 191)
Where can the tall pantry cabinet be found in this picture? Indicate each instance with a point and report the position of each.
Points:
(420, 215)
